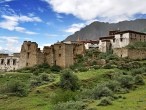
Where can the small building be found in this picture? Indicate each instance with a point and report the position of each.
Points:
(119, 39)
(90, 44)
(9, 63)
(124, 38)
(105, 43)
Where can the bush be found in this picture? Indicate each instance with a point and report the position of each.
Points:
(86, 94)
(71, 105)
(137, 45)
(96, 67)
(35, 81)
(108, 66)
(101, 91)
(55, 68)
(44, 77)
(35, 69)
(108, 56)
(16, 88)
(105, 101)
(63, 96)
(113, 85)
(139, 80)
(129, 65)
(126, 81)
(82, 69)
(137, 71)
(69, 81)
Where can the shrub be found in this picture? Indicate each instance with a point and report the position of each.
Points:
(86, 94)
(96, 67)
(139, 80)
(69, 81)
(71, 105)
(44, 77)
(80, 58)
(105, 101)
(112, 57)
(126, 81)
(137, 45)
(113, 85)
(137, 71)
(35, 81)
(63, 96)
(101, 91)
(108, 66)
(82, 69)
(129, 65)
(55, 68)
(16, 88)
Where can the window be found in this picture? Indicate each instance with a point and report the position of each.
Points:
(59, 55)
(114, 40)
(28, 54)
(14, 61)
(28, 46)
(26, 64)
(60, 47)
(2, 61)
(8, 61)
(121, 39)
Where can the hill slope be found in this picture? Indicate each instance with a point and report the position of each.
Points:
(98, 29)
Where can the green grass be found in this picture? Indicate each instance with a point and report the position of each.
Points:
(92, 73)
(135, 100)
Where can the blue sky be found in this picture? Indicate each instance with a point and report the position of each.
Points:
(49, 21)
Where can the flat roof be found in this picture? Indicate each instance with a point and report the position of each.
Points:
(108, 37)
(130, 31)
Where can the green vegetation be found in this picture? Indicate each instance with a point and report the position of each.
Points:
(117, 84)
(69, 81)
(137, 45)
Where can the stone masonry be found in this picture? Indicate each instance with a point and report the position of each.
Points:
(60, 54)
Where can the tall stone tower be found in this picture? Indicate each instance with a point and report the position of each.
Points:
(30, 55)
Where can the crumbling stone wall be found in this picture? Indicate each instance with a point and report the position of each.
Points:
(121, 52)
(131, 53)
(30, 55)
(60, 54)
(49, 55)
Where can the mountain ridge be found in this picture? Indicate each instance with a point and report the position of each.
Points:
(101, 29)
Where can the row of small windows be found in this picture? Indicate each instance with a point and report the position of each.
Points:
(8, 62)
(121, 39)
(141, 38)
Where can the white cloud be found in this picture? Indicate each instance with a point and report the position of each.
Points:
(75, 27)
(42, 46)
(11, 43)
(12, 23)
(108, 10)
(5, 1)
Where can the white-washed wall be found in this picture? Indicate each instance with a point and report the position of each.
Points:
(121, 40)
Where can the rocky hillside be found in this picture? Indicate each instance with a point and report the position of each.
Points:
(101, 29)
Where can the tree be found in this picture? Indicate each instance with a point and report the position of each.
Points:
(69, 81)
